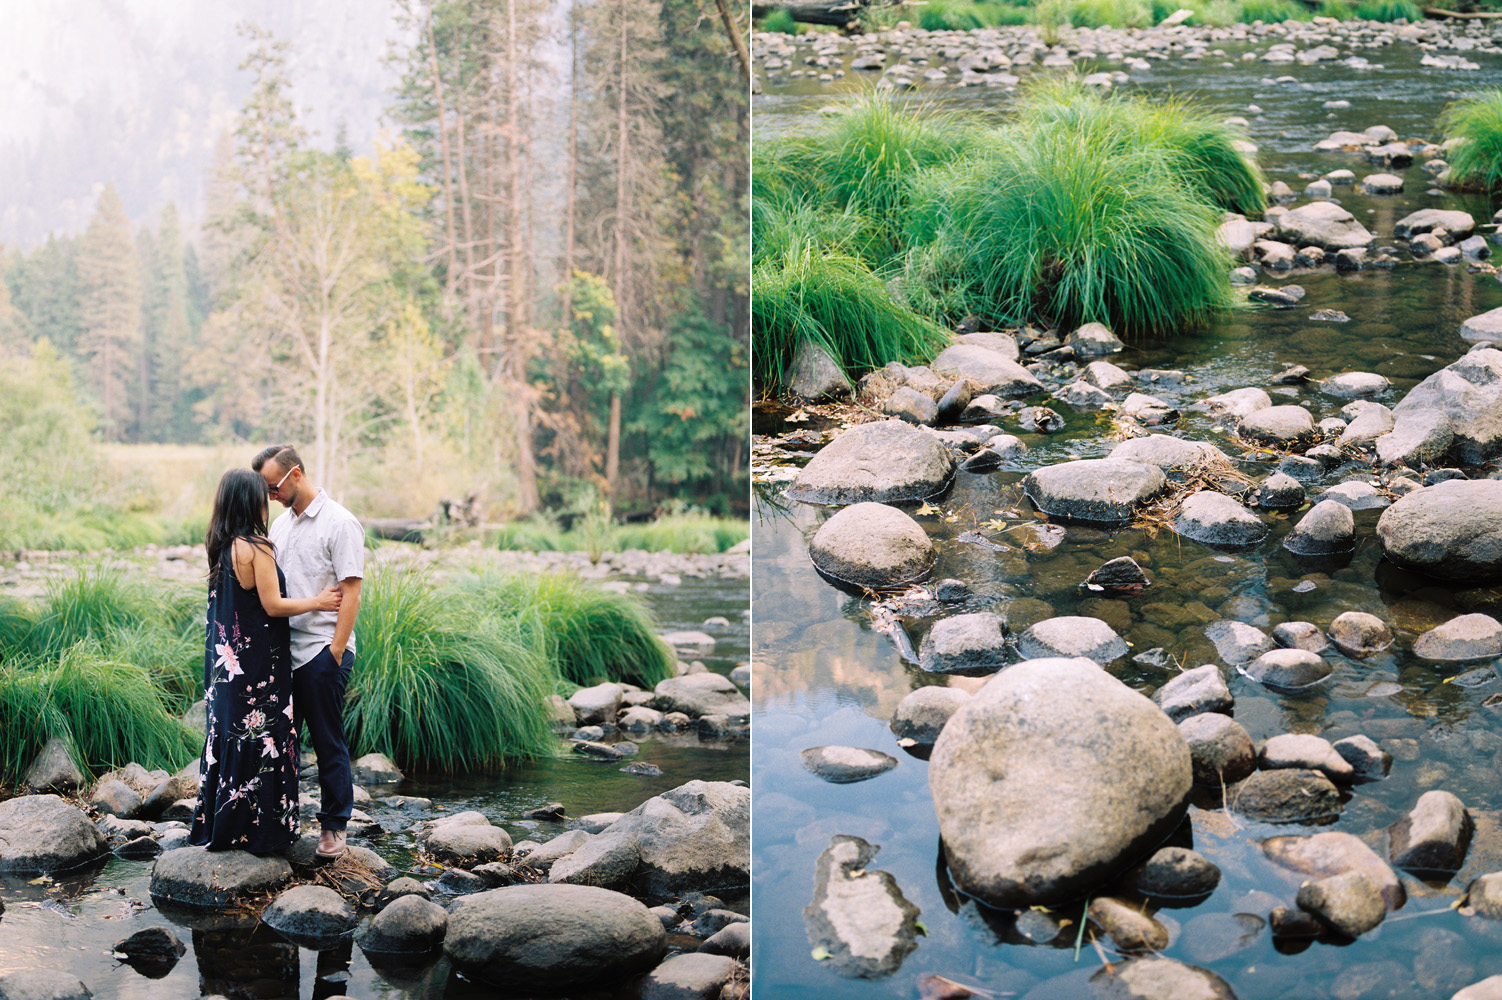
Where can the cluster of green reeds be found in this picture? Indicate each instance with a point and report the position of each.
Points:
(1475, 155)
(681, 533)
(888, 223)
(450, 674)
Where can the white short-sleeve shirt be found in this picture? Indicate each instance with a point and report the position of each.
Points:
(315, 550)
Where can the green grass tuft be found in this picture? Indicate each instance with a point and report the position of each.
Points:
(92, 606)
(1389, 10)
(682, 533)
(589, 635)
(1111, 13)
(968, 15)
(1476, 158)
(781, 20)
(1274, 11)
(441, 685)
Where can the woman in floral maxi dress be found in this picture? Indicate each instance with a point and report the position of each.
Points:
(247, 790)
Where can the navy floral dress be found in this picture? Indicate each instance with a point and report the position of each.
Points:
(247, 791)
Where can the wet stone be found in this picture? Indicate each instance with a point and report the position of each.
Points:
(1215, 519)
(1094, 340)
(1120, 576)
(1193, 692)
(1460, 640)
(1434, 836)
(1327, 529)
(921, 714)
(1082, 397)
(1358, 634)
(1158, 979)
(1279, 492)
(984, 408)
(1291, 924)
(1349, 903)
(1301, 468)
(1129, 929)
(1334, 853)
(1220, 749)
(1288, 669)
(1285, 797)
(1284, 426)
(1301, 635)
(1368, 761)
(1149, 410)
(1452, 530)
(1356, 495)
(970, 645)
(1484, 896)
(872, 545)
(1171, 454)
(842, 765)
(1040, 420)
(1239, 402)
(1356, 385)
(1301, 750)
(1094, 490)
(1176, 873)
(882, 461)
(859, 916)
(1237, 643)
(1072, 636)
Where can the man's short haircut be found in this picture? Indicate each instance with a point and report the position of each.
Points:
(284, 455)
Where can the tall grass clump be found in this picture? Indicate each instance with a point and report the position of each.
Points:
(441, 686)
(699, 533)
(1389, 10)
(109, 713)
(781, 20)
(589, 635)
(1066, 225)
(92, 606)
(1111, 14)
(1338, 9)
(1476, 158)
(967, 15)
(1273, 11)
(16, 623)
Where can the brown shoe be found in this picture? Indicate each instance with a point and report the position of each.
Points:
(330, 844)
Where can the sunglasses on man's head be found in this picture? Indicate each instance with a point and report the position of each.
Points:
(282, 480)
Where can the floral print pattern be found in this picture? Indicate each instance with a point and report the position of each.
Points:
(247, 793)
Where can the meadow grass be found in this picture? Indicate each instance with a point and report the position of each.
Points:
(682, 533)
(1476, 159)
(967, 15)
(1389, 10)
(588, 635)
(441, 686)
(1111, 13)
(1274, 11)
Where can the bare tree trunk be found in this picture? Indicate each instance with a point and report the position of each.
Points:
(448, 186)
(735, 37)
(622, 295)
(573, 167)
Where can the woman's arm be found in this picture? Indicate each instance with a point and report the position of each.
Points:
(272, 600)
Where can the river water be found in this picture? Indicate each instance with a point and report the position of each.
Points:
(824, 676)
(72, 922)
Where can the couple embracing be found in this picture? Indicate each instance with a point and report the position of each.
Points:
(279, 651)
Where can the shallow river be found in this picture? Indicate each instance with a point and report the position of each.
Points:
(71, 923)
(823, 676)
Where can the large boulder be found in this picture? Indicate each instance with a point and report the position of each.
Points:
(872, 545)
(991, 371)
(1323, 224)
(693, 837)
(1034, 805)
(552, 938)
(42, 833)
(191, 876)
(886, 461)
(1102, 490)
(1451, 530)
(697, 695)
(1465, 399)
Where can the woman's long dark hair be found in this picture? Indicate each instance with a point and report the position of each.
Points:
(239, 512)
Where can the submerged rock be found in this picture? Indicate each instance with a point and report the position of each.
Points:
(1463, 639)
(884, 461)
(1107, 490)
(1452, 530)
(1121, 576)
(872, 545)
(1176, 873)
(859, 916)
(1335, 853)
(843, 765)
(1128, 782)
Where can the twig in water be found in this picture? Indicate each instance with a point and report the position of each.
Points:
(1079, 937)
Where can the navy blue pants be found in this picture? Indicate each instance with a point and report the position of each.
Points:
(318, 700)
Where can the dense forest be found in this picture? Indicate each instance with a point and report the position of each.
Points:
(534, 288)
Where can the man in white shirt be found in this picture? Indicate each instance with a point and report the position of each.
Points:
(319, 544)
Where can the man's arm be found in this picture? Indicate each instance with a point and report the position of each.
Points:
(348, 608)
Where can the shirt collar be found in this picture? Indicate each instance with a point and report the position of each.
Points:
(314, 505)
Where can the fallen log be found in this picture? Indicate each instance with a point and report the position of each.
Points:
(398, 529)
(1437, 12)
(838, 13)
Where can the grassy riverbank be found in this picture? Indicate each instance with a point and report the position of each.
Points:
(453, 674)
(885, 225)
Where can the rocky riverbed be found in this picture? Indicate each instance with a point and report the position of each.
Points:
(1157, 668)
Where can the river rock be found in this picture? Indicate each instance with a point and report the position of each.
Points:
(1220, 748)
(814, 376)
(1460, 640)
(561, 846)
(468, 844)
(42, 984)
(1355, 385)
(1434, 836)
(989, 371)
(408, 925)
(1484, 327)
(690, 975)
(1193, 692)
(859, 916)
(1349, 903)
(1370, 424)
(1082, 397)
(1129, 782)
(1171, 454)
(1120, 576)
(314, 916)
(639, 719)
(1176, 873)
(922, 713)
(191, 876)
(1323, 224)
(872, 545)
(375, 769)
(1279, 492)
(970, 645)
(1287, 796)
(53, 770)
(42, 833)
(115, 798)
(511, 937)
(1106, 490)
(1094, 340)
(1382, 184)
(1288, 669)
(698, 695)
(1451, 530)
(155, 946)
(693, 837)
(1468, 393)
(1129, 929)
(1149, 410)
(1302, 750)
(884, 461)
(732, 939)
(1283, 426)
(1106, 376)
(1328, 528)
(952, 404)
(1458, 224)
(1237, 642)
(596, 705)
(1039, 420)
(1215, 519)
(984, 408)
(907, 403)
(992, 340)
(1489, 988)
(1158, 979)
(1239, 403)
(1335, 853)
(1358, 634)
(1072, 636)
(1300, 635)
(1369, 761)
(843, 765)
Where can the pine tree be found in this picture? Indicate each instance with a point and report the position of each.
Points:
(110, 312)
(169, 334)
